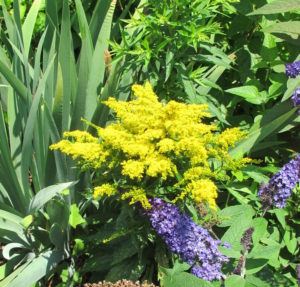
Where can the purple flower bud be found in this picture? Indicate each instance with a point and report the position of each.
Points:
(292, 70)
(296, 97)
(247, 238)
(185, 237)
(227, 245)
(278, 190)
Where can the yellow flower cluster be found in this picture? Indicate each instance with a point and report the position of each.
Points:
(150, 140)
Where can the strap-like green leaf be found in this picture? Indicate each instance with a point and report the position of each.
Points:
(44, 195)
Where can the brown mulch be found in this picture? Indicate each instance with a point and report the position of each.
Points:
(120, 283)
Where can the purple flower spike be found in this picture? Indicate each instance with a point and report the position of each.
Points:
(185, 237)
(296, 97)
(280, 185)
(292, 70)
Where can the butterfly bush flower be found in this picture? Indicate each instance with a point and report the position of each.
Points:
(185, 237)
(296, 97)
(292, 70)
(280, 185)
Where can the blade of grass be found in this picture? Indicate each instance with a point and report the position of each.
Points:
(28, 134)
(98, 64)
(84, 68)
(7, 172)
(29, 23)
(65, 58)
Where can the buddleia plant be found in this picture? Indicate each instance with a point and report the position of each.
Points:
(154, 149)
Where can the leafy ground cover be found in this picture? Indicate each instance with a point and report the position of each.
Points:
(149, 141)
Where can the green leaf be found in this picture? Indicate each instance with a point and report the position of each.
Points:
(277, 6)
(130, 268)
(234, 281)
(29, 23)
(260, 228)
(229, 214)
(27, 220)
(269, 50)
(265, 252)
(169, 63)
(256, 282)
(184, 279)
(96, 75)
(290, 28)
(255, 265)
(56, 236)
(32, 271)
(14, 81)
(280, 214)
(75, 216)
(44, 195)
(249, 93)
(239, 225)
(272, 120)
(30, 124)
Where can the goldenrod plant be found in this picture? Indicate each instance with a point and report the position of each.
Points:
(171, 145)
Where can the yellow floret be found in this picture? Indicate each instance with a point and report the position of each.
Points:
(137, 195)
(104, 189)
(203, 190)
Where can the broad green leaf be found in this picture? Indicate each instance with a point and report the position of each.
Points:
(32, 271)
(129, 268)
(184, 279)
(265, 252)
(255, 265)
(249, 93)
(290, 28)
(256, 282)
(75, 216)
(44, 195)
(277, 6)
(290, 241)
(29, 23)
(281, 214)
(229, 214)
(234, 281)
(56, 236)
(239, 225)
(269, 50)
(271, 121)
(27, 220)
(292, 84)
(260, 228)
